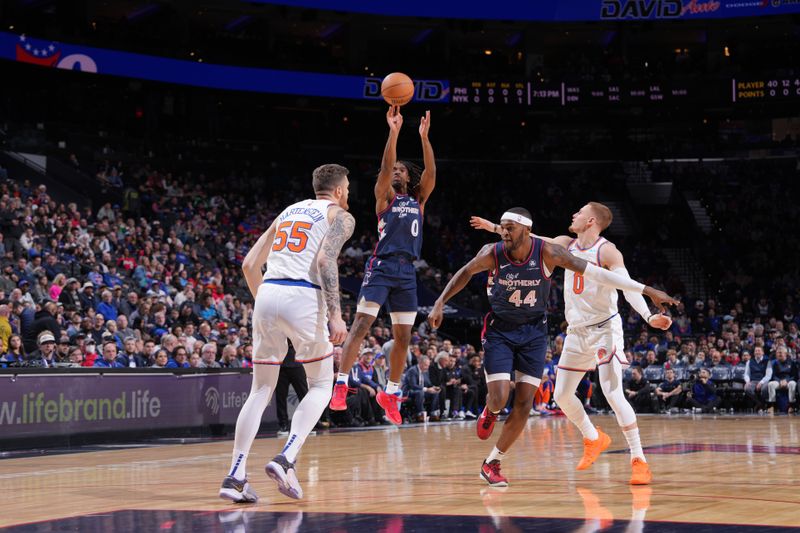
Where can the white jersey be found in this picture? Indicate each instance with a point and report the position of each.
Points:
(299, 231)
(586, 302)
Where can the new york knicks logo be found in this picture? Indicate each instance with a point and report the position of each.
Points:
(212, 399)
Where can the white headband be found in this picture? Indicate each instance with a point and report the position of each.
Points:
(525, 221)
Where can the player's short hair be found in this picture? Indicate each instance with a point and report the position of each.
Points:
(327, 177)
(602, 213)
(520, 211)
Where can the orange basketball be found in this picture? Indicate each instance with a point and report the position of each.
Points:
(397, 89)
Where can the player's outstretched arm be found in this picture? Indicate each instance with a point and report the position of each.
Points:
(611, 258)
(255, 259)
(487, 225)
(428, 179)
(480, 263)
(341, 230)
(384, 193)
(558, 256)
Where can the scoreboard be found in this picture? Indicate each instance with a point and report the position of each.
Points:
(765, 89)
(565, 94)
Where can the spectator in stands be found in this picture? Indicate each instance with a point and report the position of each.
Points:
(130, 357)
(106, 306)
(62, 349)
(229, 359)
(44, 355)
(669, 392)
(5, 327)
(784, 377)
(75, 356)
(90, 351)
(757, 374)
(420, 391)
(69, 295)
(161, 359)
(180, 358)
(15, 351)
(703, 394)
(208, 356)
(44, 320)
(650, 359)
(637, 390)
(672, 360)
(109, 359)
(366, 374)
(87, 298)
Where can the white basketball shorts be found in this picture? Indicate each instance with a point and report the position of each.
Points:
(295, 313)
(588, 346)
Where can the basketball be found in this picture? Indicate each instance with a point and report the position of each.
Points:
(397, 89)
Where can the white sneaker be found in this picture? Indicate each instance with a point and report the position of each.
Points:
(284, 474)
(462, 415)
(470, 415)
(237, 491)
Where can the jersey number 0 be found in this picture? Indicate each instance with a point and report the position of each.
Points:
(294, 238)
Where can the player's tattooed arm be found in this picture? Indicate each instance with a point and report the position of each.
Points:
(255, 259)
(487, 225)
(482, 262)
(383, 187)
(558, 256)
(428, 178)
(340, 231)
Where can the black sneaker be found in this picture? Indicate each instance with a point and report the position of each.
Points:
(284, 474)
(237, 491)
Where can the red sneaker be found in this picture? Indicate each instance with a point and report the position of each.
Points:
(391, 404)
(491, 473)
(339, 398)
(486, 424)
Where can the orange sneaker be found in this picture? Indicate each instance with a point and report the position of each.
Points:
(640, 474)
(592, 450)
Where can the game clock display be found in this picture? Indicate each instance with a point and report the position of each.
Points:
(565, 94)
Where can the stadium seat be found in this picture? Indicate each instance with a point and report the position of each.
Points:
(654, 373)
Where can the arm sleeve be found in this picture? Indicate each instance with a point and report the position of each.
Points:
(634, 298)
(610, 279)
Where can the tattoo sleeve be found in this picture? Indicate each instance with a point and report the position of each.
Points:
(562, 258)
(340, 231)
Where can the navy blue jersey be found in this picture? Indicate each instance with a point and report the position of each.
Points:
(519, 291)
(400, 228)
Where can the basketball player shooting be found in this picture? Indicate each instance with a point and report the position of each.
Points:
(594, 336)
(401, 193)
(297, 299)
(514, 336)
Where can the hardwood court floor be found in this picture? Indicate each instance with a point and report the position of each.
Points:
(712, 470)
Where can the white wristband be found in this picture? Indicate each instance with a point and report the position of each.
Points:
(610, 279)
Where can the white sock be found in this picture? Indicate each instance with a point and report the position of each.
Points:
(634, 443)
(392, 387)
(239, 464)
(496, 455)
(588, 429)
(342, 378)
(311, 407)
(264, 379)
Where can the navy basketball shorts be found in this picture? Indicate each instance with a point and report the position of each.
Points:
(391, 281)
(518, 350)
